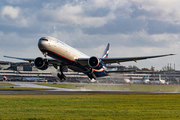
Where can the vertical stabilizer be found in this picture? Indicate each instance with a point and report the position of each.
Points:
(37, 76)
(106, 52)
(159, 77)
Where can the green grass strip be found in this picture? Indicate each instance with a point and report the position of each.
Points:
(90, 107)
(6, 84)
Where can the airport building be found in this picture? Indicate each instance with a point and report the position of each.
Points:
(22, 70)
(4, 65)
(19, 71)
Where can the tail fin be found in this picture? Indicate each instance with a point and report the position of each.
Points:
(159, 77)
(105, 55)
(37, 76)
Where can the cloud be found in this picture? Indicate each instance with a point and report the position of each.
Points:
(132, 27)
(10, 11)
(164, 10)
(119, 25)
(160, 27)
(72, 14)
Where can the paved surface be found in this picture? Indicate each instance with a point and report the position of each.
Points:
(64, 91)
(80, 92)
(31, 85)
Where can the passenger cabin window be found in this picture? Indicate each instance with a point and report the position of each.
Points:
(44, 39)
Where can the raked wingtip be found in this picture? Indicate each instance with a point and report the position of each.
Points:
(173, 54)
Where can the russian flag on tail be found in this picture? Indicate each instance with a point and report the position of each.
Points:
(106, 52)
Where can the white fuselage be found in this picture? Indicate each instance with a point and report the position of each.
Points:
(146, 81)
(60, 48)
(127, 80)
(68, 56)
(162, 81)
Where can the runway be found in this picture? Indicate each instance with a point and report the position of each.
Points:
(79, 92)
(31, 85)
(65, 91)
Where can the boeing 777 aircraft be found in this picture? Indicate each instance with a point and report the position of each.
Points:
(66, 56)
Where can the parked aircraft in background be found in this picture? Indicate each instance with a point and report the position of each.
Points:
(65, 56)
(4, 78)
(162, 81)
(138, 81)
(33, 78)
(155, 82)
(146, 80)
(126, 80)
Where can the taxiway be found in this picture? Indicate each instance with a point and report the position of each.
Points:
(65, 91)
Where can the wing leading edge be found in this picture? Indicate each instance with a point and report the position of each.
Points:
(119, 60)
(135, 59)
(84, 61)
(51, 61)
(25, 59)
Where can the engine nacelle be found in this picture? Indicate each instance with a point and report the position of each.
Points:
(41, 63)
(95, 63)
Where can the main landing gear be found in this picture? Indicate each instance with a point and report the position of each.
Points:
(61, 76)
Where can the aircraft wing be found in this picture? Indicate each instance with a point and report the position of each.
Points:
(84, 61)
(25, 59)
(51, 61)
(135, 59)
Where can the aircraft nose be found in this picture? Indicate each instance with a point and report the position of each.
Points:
(42, 43)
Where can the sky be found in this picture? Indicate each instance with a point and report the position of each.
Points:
(132, 27)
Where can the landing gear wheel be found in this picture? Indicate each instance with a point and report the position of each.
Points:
(61, 76)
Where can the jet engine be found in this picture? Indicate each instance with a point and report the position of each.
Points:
(41, 63)
(95, 63)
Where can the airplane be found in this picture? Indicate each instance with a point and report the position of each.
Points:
(65, 56)
(130, 80)
(155, 82)
(146, 81)
(126, 80)
(4, 78)
(32, 78)
(162, 81)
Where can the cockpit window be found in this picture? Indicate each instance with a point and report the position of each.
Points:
(44, 39)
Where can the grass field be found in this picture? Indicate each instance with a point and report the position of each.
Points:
(134, 87)
(6, 84)
(89, 107)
